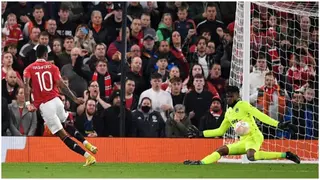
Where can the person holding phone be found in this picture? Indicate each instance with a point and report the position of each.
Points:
(84, 39)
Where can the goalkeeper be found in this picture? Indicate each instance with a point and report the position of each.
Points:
(251, 142)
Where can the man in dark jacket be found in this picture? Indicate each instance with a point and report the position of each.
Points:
(147, 122)
(214, 117)
(110, 119)
(197, 101)
(5, 122)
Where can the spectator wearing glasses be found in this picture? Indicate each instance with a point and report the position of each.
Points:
(178, 122)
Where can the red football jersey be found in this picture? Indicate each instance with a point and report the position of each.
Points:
(44, 76)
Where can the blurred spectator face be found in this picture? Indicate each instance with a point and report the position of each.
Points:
(20, 95)
(305, 23)
(182, 14)
(196, 70)
(164, 47)
(176, 87)
(215, 106)
(38, 14)
(116, 101)
(215, 71)
(7, 60)
(178, 3)
(34, 36)
(297, 99)
(148, 44)
(146, 103)
(130, 85)
(136, 64)
(52, 26)
(64, 15)
(162, 64)
(207, 35)
(145, 21)
(269, 81)
(202, 45)
(136, 25)
(23, 3)
(96, 18)
(167, 20)
(65, 102)
(11, 78)
(134, 3)
(44, 40)
(272, 21)
(309, 94)
(136, 52)
(3, 5)
(315, 35)
(198, 83)
(94, 89)
(128, 33)
(211, 13)
(211, 48)
(283, 26)
(90, 107)
(100, 51)
(174, 72)
(155, 83)
(12, 50)
(56, 46)
(227, 37)
(261, 64)
(102, 68)
(176, 38)
(74, 54)
(118, 15)
(256, 24)
(12, 20)
(68, 44)
(181, 113)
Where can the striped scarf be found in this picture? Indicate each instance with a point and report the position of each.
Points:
(107, 83)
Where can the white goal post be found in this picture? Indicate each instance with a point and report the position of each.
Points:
(241, 68)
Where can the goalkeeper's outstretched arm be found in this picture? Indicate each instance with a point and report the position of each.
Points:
(260, 115)
(225, 125)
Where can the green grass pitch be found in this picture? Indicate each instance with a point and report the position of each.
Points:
(153, 170)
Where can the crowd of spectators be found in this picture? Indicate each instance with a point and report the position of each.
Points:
(178, 65)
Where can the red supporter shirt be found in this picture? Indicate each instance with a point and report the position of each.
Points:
(129, 103)
(4, 74)
(44, 76)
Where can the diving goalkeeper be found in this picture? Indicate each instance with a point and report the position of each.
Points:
(251, 142)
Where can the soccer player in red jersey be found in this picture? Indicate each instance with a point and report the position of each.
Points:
(45, 78)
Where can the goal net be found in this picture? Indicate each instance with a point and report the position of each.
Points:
(282, 80)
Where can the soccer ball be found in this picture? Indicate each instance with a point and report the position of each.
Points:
(242, 128)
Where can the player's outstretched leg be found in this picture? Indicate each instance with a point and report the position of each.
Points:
(263, 155)
(214, 157)
(75, 147)
(75, 133)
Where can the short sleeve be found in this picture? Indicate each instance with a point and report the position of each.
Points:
(27, 73)
(56, 73)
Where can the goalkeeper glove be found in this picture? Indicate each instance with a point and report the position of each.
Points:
(288, 126)
(194, 132)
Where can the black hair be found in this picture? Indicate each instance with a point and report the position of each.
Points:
(232, 89)
(42, 50)
(156, 76)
